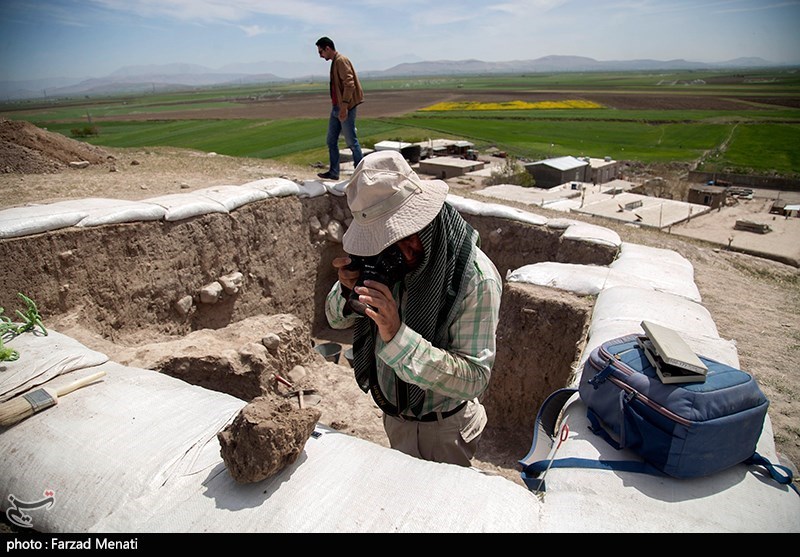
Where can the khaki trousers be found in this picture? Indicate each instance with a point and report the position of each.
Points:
(453, 440)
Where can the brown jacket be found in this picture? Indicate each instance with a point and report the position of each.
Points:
(345, 82)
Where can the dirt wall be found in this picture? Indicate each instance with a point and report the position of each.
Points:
(514, 244)
(125, 279)
(540, 334)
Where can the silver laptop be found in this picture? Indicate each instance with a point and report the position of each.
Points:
(672, 349)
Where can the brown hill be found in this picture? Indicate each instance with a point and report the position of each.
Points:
(28, 149)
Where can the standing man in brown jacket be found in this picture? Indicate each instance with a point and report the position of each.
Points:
(346, 95)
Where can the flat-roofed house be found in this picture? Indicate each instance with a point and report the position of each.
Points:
(549, 173)
(713, 196)
(604, 170)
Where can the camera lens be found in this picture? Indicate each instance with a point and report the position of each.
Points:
(388, 267)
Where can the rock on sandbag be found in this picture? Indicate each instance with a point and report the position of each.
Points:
(265, 437)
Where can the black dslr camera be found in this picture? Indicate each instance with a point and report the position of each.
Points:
(388, 267)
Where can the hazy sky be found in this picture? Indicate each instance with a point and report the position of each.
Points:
(93, 38)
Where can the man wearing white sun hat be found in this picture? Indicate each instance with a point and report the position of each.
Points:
(423, 344)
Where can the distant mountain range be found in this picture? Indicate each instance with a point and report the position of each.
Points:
(173, 77)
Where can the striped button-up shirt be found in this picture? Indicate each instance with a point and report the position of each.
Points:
(452, 375)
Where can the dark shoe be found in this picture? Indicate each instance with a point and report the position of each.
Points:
(328, 176)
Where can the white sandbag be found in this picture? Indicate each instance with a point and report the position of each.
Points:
(233, 197)
(121, 438)
(181, 206)
(312, 188)
(339, 484)
(33, 219)
(665, 270)
(736, 500)
(337, 188)
(113, 211)
(593, 234)
(275, 187)
(479, 208)
(562, 224)
(41, 358)
(584, 280)
(623, 308)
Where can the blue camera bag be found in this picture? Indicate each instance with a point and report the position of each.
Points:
(684, 430)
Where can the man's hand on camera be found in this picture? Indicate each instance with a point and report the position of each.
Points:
(347, 277)
(383, 308)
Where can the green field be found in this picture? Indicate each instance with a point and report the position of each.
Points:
(724, 121)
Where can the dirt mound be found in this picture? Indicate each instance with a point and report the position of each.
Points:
(27, 149)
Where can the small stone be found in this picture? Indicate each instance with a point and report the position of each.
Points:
(184, 186)
(297, 374)
(314, 224)
(231, 283)
(211, 293)
(335, 231)
(271, 341)
(134, 162)
(79, 164)
(184, 305)
(66, 256)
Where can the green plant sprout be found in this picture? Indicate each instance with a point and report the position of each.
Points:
(31, 319)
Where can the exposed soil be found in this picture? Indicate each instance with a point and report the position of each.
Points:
(752, 300)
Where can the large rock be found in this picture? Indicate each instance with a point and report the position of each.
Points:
(266, 436)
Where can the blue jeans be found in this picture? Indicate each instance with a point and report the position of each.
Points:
(335, 128)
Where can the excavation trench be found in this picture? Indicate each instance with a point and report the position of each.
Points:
(135, 292)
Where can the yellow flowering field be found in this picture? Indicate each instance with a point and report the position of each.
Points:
(510, 105)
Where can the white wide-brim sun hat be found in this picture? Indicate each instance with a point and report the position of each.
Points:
(389, 202)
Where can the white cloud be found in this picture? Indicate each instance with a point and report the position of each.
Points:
(252, 30)
(526, 7)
